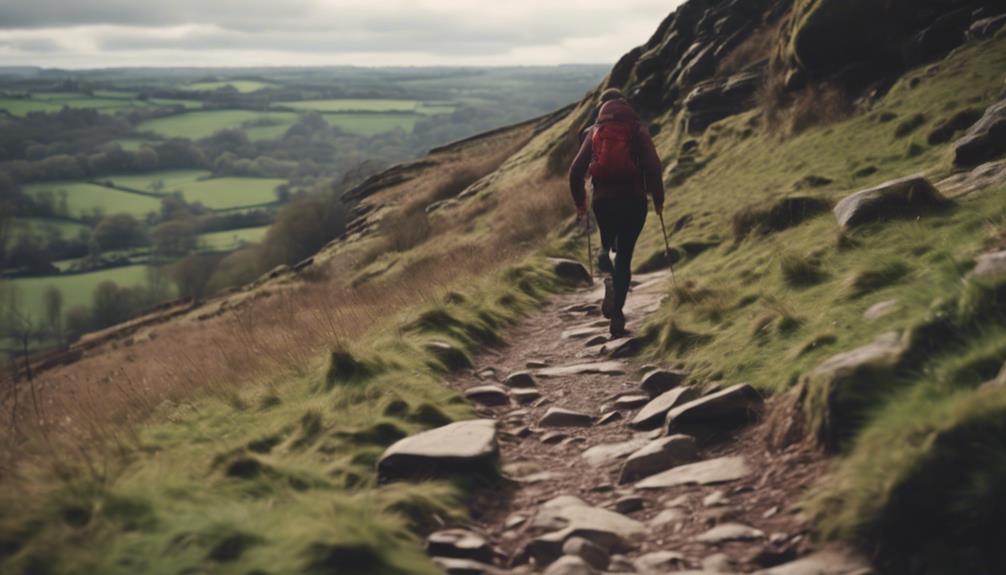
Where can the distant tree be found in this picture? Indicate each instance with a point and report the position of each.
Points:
(111, 305)
(192, 274)
(175, 238)
(77, 321)
(156, 186)
(303, 226)
(53, 298)
(31, 255)
(120, 231)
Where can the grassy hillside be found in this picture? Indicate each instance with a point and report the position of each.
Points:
(242, 437)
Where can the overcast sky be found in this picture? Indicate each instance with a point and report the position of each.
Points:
(103, 33)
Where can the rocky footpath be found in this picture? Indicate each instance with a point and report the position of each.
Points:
(613, 467)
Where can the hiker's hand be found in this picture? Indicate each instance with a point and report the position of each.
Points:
(581, 211)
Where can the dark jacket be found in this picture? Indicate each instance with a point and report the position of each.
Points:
(649, 178)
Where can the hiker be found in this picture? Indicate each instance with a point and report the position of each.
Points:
(623, 165)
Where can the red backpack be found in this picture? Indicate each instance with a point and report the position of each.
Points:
(613, 153)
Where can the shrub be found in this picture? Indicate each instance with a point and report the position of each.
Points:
(302, 227)
(818, 105)
(799, 271)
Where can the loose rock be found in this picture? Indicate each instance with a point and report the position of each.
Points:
(458, 449)
(490, 395)
(719, 470)
(650, 416)
(600, 367)
(608, 452)
(571, 271)
(732, 406)
(560, 417)
(631, 401)
(730, 532)
(609, 417)
(465, 567)
(525, 396)
(520, 379)
(595, 555)
(629, 504)
(881, 309)
(570, 565)
(826, 562)
(657, 456)
(660, 381)
(459, 544)
(658, 562)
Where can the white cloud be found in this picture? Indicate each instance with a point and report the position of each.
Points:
(97, 33)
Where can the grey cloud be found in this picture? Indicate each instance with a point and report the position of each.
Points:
(33, 45)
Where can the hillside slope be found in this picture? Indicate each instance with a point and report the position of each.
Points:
(229, 439)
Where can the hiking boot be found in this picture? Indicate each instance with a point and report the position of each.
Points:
(604, 263)
(608, 305)
(617, 327)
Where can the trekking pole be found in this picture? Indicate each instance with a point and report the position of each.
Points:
(590, 249)
(667, 248)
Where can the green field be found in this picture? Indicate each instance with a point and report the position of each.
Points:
(371, 124)
(187, 104)
(243, 86)
(84, 198)
(173, 179)
(132, 144)
(228, 193)
(233, 239)
(44, 227)
(21, 106)
(77, 288)
(197, 125)
(351, 105)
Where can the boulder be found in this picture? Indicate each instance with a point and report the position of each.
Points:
(840, 388)
(570, 271)
(610, 417)
(730, 407)
(666, 516)
(459, 544)
(654, 412)
(459, 449)
(657, 456)
(519, 379)
(599, 367)
(712, 471)
(560, 417)
(730, 532)
(629, 503)
(900, 198)
(623, 347)
(490, 395)
(595, 555)
(659, 381)
(606, 453)
(985, 140)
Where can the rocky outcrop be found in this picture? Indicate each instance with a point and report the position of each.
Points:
(905, 197)
(985, 140)
(715, 99)
(456, 450)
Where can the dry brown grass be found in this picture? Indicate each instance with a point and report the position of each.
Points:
(265, 335)
(755, 48)
(818, 105)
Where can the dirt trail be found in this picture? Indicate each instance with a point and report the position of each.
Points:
(547, 462)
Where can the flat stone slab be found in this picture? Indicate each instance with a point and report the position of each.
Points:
(654, 412)
(657, 456)
(631, 401)
(561, 417)
(824, 562)
(597, 367)
(581, 333)
(659, 381)
(461, 448)
(519, 379)
(732, 406)
(711, 471)
(608, 452)
(583, 516)
(622, 347)
(730, 532)
(525, 396)
(490, 395)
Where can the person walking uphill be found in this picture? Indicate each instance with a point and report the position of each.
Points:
(623, 165)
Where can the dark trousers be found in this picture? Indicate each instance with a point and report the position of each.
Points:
(620, 221)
